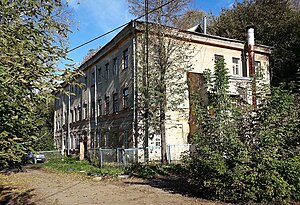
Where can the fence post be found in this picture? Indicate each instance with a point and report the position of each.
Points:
(118, 157)
(101, 158)
(168, 154)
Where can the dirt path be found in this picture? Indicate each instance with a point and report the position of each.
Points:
(43, 187)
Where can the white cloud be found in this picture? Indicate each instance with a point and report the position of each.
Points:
(103, 14)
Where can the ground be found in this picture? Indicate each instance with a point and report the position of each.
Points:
(39, 186)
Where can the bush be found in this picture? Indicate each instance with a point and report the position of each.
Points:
(71, 165)
(243, 154)
(151, 170)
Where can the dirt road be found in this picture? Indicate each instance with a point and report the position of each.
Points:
(39, 186)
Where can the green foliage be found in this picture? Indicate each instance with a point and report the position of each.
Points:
(152, 170)
(70, 165)
(162, 63)
(33, 38)
(276, 24)
(45, 139)
(243, 154)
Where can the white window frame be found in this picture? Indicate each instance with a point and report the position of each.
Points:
(236, 66)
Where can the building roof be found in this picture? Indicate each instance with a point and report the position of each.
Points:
(195, 34)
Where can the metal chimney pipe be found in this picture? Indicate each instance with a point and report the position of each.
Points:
(204, 24)
(251, 60)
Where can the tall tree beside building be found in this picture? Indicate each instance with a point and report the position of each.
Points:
(33, 38)
(162, 62)
(244, 157)
(189, 19)
(276, 24)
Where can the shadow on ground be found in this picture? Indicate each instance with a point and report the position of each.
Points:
(18, 168)
(172, 184)
(9, 196)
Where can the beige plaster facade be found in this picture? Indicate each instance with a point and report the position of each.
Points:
(103, 112)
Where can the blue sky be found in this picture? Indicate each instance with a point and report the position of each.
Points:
(95, 17)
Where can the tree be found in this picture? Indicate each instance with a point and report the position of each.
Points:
(243, 154)
(189, 19)
(162, 62)
(276, 24)
(44, 140)
(169, 11)
(33, 39)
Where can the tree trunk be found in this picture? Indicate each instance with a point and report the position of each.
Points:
(163, 135)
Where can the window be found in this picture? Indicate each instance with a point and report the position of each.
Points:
(99, 138)
(106, 105)
(115, 103)
(258, 70)
(116, 139)
(85, 115)
(257, 65)
(125, 98)
(75, 115)
(93, 110)
(218, 58)
(99, 107)
(107, 141)
(235, 66)
(106, 71)
(76, 89)
(72, 117)
(157, 142)
(79, 114)
(56, 102)
(125, 59)
(93, 78)
(85, 81)
(115, 67)
(125, 139)
(99, 72)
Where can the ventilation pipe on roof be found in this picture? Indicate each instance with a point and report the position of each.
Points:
(251, 51)
(251, 60)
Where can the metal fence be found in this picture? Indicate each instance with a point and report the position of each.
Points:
(108, 156)
(53, 154)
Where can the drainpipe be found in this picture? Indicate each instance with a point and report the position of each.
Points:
(95, 107)
(54, 124)
(61, 124)
(68, 123)
(146, 142)
(134, 88)
(251, 60)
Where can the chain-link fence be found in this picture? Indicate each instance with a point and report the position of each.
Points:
(119, 156)
(175, 152)
(54, 154)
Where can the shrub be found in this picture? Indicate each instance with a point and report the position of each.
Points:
(243, 154)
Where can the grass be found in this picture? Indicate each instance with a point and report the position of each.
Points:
(71, 165)
(152, 169)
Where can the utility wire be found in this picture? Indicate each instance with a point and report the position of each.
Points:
(117, 28)
(97, 38)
